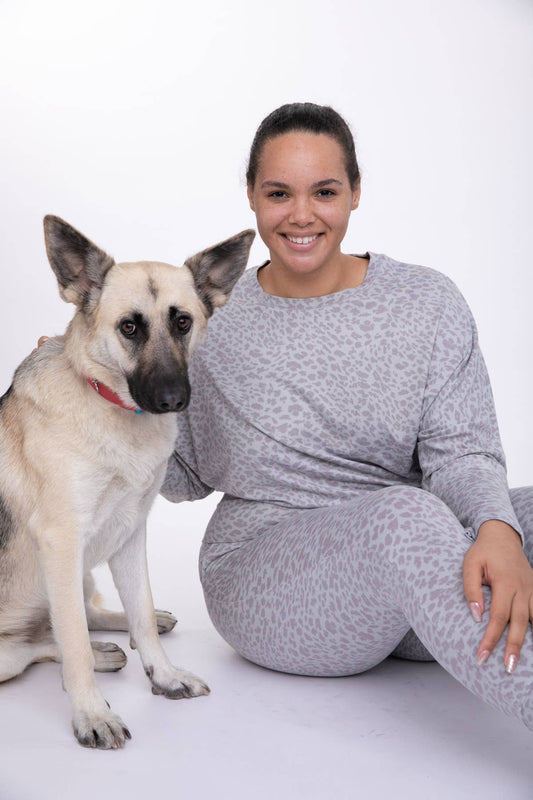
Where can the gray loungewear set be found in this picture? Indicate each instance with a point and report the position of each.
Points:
(355, 440)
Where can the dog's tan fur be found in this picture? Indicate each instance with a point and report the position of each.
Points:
(78, 473)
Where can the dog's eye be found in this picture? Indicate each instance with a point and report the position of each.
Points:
(183, 324)
(128, 327)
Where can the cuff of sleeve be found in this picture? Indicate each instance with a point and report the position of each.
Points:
(181, 483)
(510, 519)
(475, 488)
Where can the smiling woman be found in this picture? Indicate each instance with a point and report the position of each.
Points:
(342, 405)
(303, 184)
(303, 200)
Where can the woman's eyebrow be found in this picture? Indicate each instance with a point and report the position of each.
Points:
(317, 185)
(276, 184)
(321, 184)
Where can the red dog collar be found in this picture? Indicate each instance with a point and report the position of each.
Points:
(108, 394)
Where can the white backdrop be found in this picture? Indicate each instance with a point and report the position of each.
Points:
(132, 120)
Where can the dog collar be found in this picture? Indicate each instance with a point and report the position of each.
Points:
(108, 394)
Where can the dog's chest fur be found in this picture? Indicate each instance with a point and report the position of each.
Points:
(107, 463)
(114, 480)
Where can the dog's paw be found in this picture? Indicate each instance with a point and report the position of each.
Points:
(165, 621)
(177, 683)
(108, 657)
(105, 731)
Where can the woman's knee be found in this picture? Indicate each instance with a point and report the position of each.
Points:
(411, 532)
(411, 508)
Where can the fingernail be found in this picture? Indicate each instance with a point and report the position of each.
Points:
(510, 666)
(483, 657)
(475, 609)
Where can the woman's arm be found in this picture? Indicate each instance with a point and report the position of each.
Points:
(182, 479)
(463, 463)
(181, 482)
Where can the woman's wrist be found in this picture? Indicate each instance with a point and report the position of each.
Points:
(497, 527)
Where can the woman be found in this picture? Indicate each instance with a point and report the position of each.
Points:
(342, 405)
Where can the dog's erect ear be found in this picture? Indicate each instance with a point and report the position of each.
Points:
(217, 269)
(80, 267)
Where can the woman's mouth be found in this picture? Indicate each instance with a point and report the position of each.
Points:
(301, 242)
(301, 239)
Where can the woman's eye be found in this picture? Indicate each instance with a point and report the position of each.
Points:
(128, 327)
(326, 193)
(278, 194)
(184, 324)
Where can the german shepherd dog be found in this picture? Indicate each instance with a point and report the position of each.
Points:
(86, 429)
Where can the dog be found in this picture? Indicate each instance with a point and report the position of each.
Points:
(86, 430)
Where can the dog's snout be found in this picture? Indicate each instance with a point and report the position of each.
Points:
(160, 393)
(172, 398)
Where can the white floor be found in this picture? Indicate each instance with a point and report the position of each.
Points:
(404, 730)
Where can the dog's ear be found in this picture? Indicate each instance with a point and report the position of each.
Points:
(217, 269)
(80, 267)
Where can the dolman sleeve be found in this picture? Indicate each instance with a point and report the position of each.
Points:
(459, 447)
(182, 481)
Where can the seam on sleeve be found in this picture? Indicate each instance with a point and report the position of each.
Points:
(460, 366)
(453, 461)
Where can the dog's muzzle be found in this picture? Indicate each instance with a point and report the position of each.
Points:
(160, 394)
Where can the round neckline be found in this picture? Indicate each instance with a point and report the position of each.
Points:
(275, 298)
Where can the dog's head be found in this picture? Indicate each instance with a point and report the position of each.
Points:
(137, 324)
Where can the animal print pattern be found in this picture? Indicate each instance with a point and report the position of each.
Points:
(355, 439)
(334, 591)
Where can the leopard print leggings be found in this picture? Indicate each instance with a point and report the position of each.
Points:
(334, 591)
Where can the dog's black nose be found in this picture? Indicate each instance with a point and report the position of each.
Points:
(160, 393)
(171, 398)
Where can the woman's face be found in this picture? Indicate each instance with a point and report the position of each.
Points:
(302, 200)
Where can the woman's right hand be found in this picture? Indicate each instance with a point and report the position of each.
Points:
(496, 559)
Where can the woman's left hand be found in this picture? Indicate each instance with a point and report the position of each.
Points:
(496, 559)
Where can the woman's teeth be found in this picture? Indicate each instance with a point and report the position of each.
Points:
(302, 239)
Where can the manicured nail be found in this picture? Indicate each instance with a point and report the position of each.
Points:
(510, 666)
(483, 657)
(475, 609)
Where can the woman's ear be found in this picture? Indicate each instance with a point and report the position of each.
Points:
(250, 197)
(356, 196)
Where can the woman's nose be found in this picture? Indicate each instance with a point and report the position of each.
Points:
(301, 212)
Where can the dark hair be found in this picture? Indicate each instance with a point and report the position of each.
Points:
(310, 118)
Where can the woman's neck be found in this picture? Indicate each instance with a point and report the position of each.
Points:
(349, 273)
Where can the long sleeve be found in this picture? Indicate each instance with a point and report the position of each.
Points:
(182, 481)
(459, 448)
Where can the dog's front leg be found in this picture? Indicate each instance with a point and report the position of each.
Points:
(130, 573)
(93, 722)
